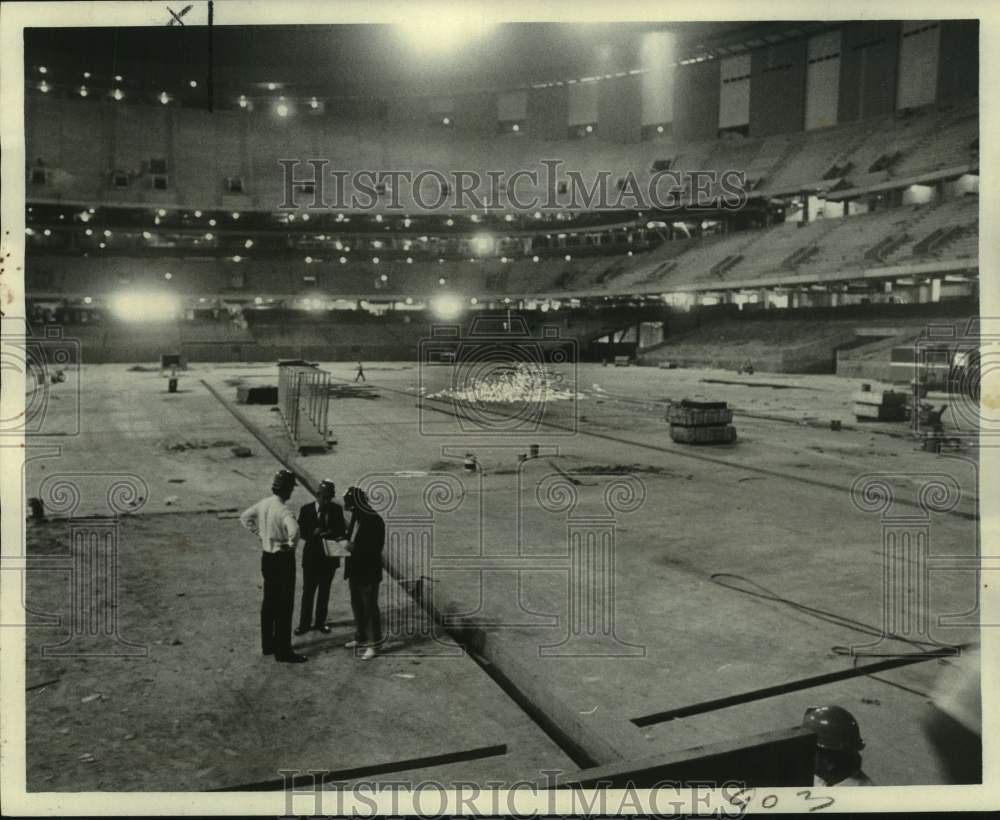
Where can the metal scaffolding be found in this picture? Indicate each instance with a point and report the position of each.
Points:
(304, 401)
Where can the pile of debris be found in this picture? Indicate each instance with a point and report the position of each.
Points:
(701, 422)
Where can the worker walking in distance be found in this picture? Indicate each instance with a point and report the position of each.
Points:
(275, 525)
(360, 375)
(363, 570)
(319, 520)
(838, 747)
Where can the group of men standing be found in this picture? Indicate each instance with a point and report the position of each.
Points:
(319, 521)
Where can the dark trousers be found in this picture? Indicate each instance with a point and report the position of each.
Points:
(316, 580)
(367, 618)
(278, 571)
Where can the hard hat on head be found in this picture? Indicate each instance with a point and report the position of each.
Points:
(284, 481)
(835, 728)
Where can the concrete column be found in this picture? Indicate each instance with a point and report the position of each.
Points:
(935, 290)
(762, 295)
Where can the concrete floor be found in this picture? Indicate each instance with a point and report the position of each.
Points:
(775, 508)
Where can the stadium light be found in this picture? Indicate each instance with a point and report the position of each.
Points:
(151, 306)
(446, 306)
(482, 243)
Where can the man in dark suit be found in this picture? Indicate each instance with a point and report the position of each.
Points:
(322, 518)
(366, 537)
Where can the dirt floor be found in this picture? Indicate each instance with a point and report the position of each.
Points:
(643, 625)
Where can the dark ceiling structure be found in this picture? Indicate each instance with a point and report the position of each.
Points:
(354, 61)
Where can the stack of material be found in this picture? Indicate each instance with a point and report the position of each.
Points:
(701, 422)
(879, 405)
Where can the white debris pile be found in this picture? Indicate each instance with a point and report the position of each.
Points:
(523, 383)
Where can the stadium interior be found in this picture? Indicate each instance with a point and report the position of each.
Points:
(174, 208)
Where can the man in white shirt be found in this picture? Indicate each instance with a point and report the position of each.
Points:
(275, 525)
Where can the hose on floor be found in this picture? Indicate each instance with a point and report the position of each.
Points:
(740, 583)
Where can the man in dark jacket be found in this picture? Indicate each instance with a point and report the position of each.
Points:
(318, 520)
(366, 536)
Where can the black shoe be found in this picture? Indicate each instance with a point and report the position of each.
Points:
(325, 629)
(291, 658)
(301, 630)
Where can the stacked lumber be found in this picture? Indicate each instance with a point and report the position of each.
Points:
(701, 422)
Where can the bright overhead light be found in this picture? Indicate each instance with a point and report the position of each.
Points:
(314, 103)
(193, 83)
(236, 214)
(209, 236)
(197, 214)
(89, 231)
(271, 86)
(243, 101)
(446, 306)
(282, 110)
(375, 260)
(83, 91)
(118, 78)
(237, 258)
(474, 301)
(534, 258)
(257, 300)
(107, 233)
(86, 75)
(343, 260)
(47, 232)
(211, 223)
(248, 244)
(43, 87)
(309, 260)
(515, 127)
(42, 70)
(150, 306)
(164, 97)
(168, 276)
(87, 300)
(482, 243)
(118, 94)
(161, 212)
(441, 281)
(446, 120)
(409, 260)
(147, 235)
(384, 277)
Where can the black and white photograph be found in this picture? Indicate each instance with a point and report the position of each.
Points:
(496, 409)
